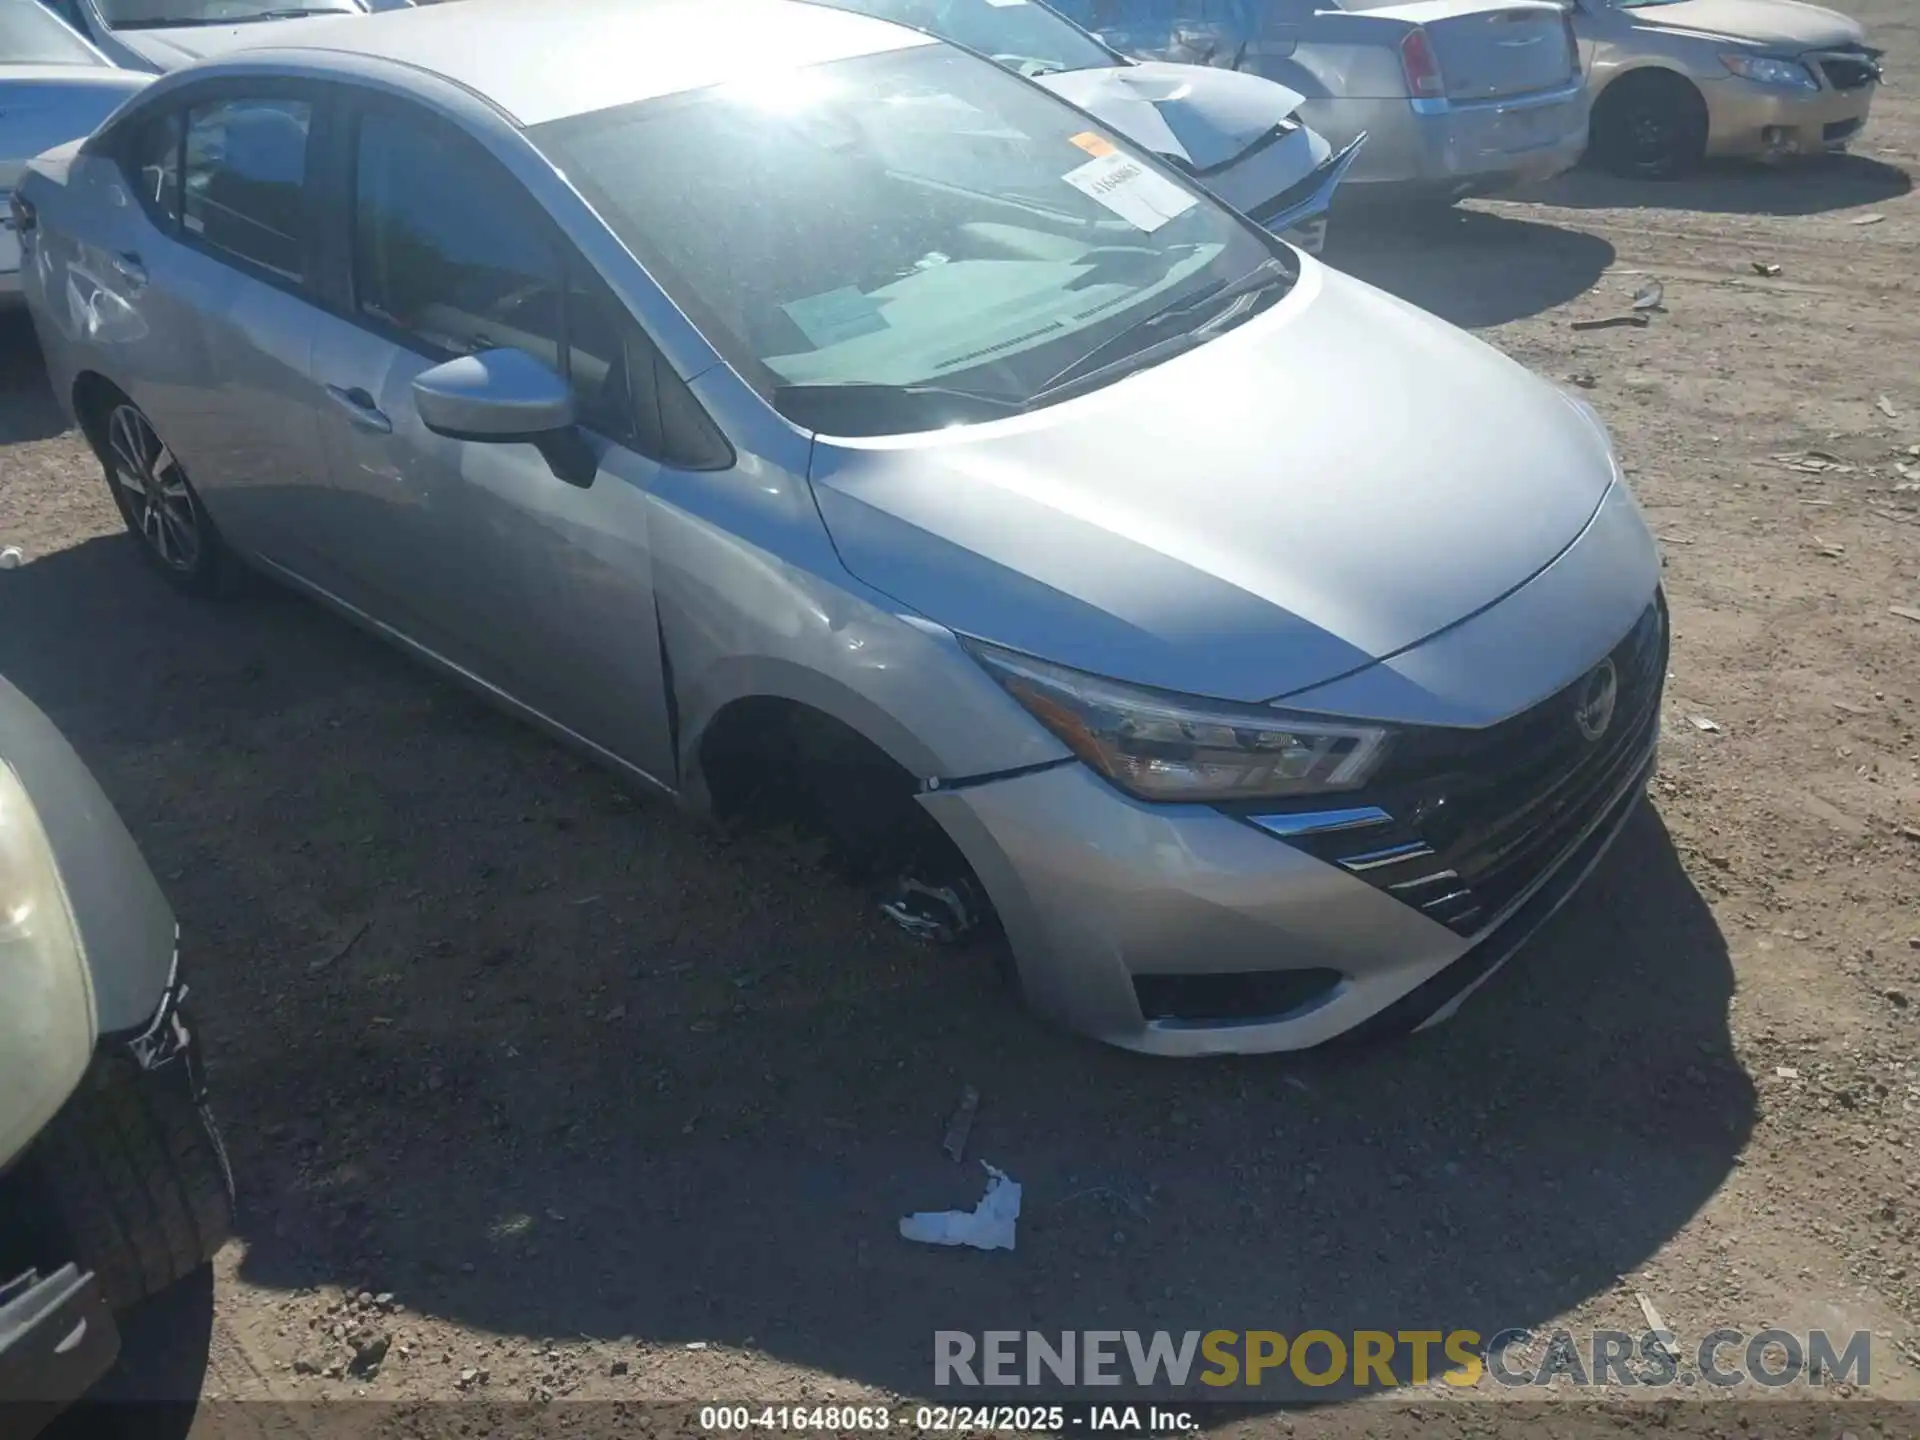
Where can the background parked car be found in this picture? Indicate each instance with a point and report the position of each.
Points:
(1240, 136)
(161, 35)
(54, 87)
(114, 1185)
(1456, 97)
(1674, 81)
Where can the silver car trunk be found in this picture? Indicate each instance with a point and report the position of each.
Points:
(1490, 51)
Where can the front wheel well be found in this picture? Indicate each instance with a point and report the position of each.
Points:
(1613, 146)
(768, 762)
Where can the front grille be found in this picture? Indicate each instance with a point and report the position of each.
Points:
(1473, 818)
(1850, 72)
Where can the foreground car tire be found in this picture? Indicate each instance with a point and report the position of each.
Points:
(157, 501)
(138, 1180)
(1650, 125)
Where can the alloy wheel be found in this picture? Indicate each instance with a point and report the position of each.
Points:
(154, 489)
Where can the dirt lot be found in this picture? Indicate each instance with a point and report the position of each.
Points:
(613, 1109)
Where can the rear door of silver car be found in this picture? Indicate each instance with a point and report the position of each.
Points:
(199, 293)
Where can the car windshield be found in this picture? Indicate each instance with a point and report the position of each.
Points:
(164, 14)
(917, 223)
(30, 35)
(1022, 34)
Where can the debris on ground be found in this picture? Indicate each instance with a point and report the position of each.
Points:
(369, 1352)
(12, 558)
(1905, 612)
(1786, 1072)
(1701, 722)
(1887, 408)
(1873, 219)
(988, 1226)
(1651, 297)
(1584, 379)
(1662, 1335)
(958, 1128)
(332, 957)
(1638, 318)
(1763, 267)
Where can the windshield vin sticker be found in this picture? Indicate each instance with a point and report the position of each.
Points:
(1134, 193)
(843, 314)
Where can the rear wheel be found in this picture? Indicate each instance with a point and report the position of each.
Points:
(156, 499)
(1650, 125)
(137, 1179)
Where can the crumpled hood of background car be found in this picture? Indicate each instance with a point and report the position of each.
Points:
(1204, 116)
(1782, 24)
(1323, 486)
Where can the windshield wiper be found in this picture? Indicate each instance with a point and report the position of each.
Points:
(867, 404)
(1263, 276)
(294, 12)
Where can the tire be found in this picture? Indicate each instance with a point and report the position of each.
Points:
(162, 510)
(137, 1180)
(1650, 125)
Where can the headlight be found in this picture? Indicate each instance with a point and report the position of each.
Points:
(1767, 70)
(46, 1005)
(1167, 747)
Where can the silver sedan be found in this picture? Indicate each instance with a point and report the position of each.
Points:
(793, 410)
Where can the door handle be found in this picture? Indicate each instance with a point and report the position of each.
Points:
(130, 268)
(362, 413)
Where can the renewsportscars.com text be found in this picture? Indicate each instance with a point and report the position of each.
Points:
(1384, 1359)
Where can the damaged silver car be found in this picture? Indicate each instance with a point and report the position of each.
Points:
(1239, 135)
(780, 404)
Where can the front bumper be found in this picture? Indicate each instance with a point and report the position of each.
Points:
(1185, 930)
(1749, 121)
(57, 1338)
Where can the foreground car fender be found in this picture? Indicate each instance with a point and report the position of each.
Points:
(125, 927)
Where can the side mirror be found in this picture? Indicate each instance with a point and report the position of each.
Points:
(506, 397)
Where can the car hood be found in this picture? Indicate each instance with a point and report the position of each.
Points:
(170, 48)
(1780, 24)
(1325, 485)
(1202, 115)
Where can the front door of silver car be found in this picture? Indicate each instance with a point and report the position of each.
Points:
(202, 294)
(507, 562)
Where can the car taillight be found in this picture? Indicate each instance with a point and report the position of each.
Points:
(1424, 81)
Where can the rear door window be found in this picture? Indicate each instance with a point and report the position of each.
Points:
(245, 181)
(151, 160)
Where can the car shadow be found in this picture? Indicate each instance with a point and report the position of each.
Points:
(28, 410)
(540, 1059)
(1813, 187)
(1472, 267)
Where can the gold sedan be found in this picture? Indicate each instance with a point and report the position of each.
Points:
(1676, 81)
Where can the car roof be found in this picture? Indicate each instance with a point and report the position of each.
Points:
(542, 60)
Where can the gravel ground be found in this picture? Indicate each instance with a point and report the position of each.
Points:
(605, 1107)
